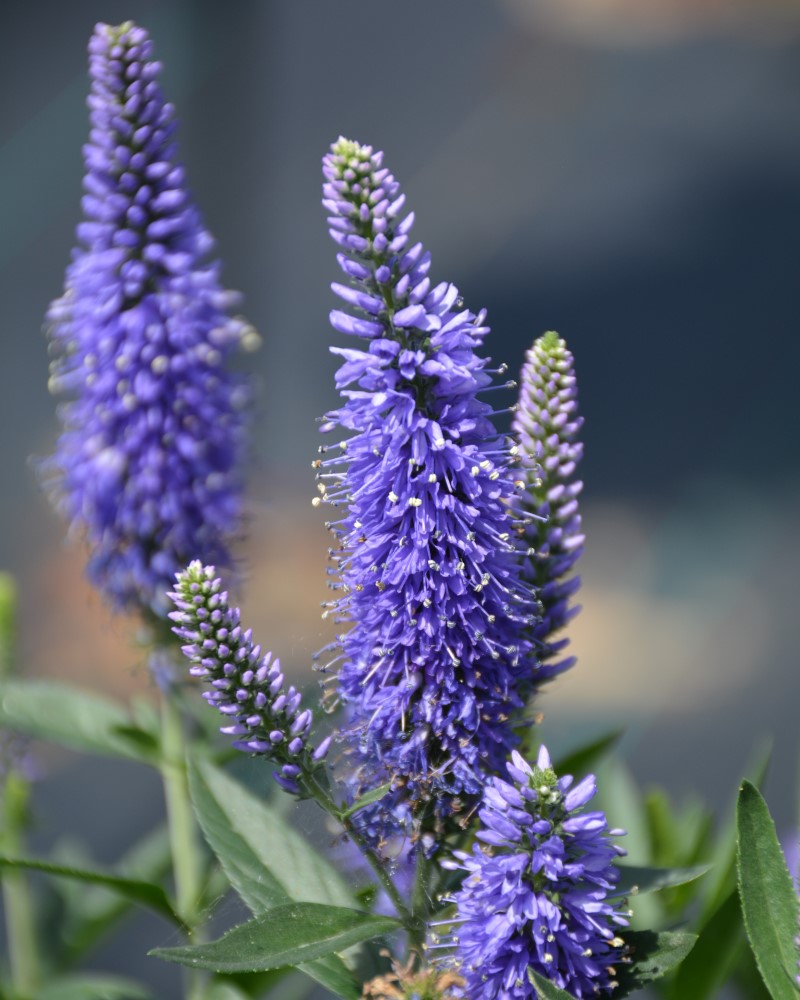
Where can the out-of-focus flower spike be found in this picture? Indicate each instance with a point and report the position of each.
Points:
(147, 468)
(247, 687)
(547, 425)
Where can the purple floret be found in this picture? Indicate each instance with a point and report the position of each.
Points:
(428, 568)
(539, 894)
(246, 686)
(547, 425)
(147, 466)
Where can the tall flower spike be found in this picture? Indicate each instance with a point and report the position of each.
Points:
(147, 466)
(540, 895)
(547, 424)
(246, 687)
(428, 569)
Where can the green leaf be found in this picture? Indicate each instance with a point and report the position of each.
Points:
(91, 911)
(146, 893)
(653, 955)
(374, 795)
(748, 979)
(266, 860)
(677, 837)
(580, 762)
(146, 742)
(620, 799)
(221, 990)
(60, 713)
(722, 881)
(260, 984)
(546, 989)
(230, 839)
(89, 987)
(769, 905)
(714, 957)
(680, 838)
(637, 879)
(288, 935)
(331, 972)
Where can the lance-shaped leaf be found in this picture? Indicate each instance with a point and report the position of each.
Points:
(146, 893)
(769, 905)
(584, 759)
(288, 935)
(254, 844)
(222, 990)
(80, 720)
(652, 956)
(637, 879)
(714, 957)
(545, 989)
(89, 987)
(266, 861)
(91, 911)
(722, 879)
(374, 795)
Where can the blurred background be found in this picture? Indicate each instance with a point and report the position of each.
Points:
(626, 173)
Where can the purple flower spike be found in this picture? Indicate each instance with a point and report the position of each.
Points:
(540, 895)
(147, 466)
(428, 566)
(245, 686)
(547, 425)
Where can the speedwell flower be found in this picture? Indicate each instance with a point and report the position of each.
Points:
(246, 686)
(428, 569)
(539, 894)
(147, 466)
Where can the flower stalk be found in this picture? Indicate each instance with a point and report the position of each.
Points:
(23, 945)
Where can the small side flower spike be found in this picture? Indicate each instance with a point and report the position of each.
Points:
(247, 687)
(540, 894)
(547, 425)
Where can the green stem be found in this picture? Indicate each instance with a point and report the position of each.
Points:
(419, 903)
(323, 799)
(20, 927)
(183, 834)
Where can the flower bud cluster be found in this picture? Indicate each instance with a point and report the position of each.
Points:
(547, 425)
(247, 687)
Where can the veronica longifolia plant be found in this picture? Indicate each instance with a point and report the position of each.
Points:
(454, 576)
